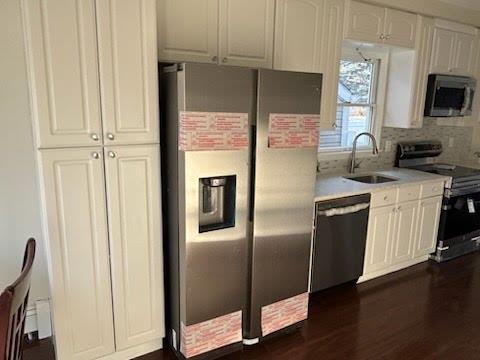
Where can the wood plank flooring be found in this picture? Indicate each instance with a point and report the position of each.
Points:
(429, 311)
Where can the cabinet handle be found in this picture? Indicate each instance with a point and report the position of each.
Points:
(95, 155)
(112, 154)
(214, 58)
(110, 136)
(224, 60)
(94, 137)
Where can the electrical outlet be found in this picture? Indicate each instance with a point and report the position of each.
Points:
(451, 141)
(388, 145)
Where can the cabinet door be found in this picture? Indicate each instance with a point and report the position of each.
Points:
(246, 32)
(405, 232)
(62, 59)
(74, 196)
(365, 22)
(464, 55)
(378, 254)
(133, 189)
(298, 35)
(400, 28)
(443, 50)
(422, 63)
(187, 30)
(128, 71)
(429, 218)
(331, 53)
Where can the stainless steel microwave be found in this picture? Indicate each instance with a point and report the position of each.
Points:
(449, 96)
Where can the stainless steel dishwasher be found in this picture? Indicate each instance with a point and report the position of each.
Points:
(339, 241)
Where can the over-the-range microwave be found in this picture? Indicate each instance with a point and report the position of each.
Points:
(449, 96)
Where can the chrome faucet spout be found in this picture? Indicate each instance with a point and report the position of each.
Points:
(353, 164)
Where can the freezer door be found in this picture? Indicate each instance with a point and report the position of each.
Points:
(214, 187)
(284, 181)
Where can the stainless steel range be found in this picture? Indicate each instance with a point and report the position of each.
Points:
(459, 230)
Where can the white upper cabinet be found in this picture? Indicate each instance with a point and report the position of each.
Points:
(298, 35)
(74, 185)
(188, 30)
(443, 49)
(365, 22)
(408, 73)
(400, 28)
(134, 205)
(375, 24)
(308, 37)
(229, 32)
(453, 52)
(246, 32)
(128, 71)
(82, 96)
(62, 58)
(463, 61)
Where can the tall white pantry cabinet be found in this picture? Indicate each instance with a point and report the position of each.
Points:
(94, 94)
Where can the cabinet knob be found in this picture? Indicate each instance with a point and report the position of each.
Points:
(95, 155)
(110, 136)
(94, 137)
(112, 154)
(214, 58)
(224, 60)
(385, 197)
(387, 37)
(334, 125)
(382, 37)
(399, 208)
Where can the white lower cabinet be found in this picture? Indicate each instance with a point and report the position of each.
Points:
(401, 233)
(105, 246)
(405, 231)
(428, 219)
(133, 193)
(379, 238)
(75, 202)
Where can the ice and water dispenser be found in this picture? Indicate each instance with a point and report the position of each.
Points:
(217, 203)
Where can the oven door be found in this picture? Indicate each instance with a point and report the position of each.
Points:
(460, 218)
(449, 96)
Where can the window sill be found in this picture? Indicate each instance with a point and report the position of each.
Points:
(342, 155)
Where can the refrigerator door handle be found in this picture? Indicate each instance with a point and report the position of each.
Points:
(344, 210)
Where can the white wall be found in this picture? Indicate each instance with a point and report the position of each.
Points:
(19, 193)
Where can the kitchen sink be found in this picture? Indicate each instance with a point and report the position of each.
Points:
(371, 179)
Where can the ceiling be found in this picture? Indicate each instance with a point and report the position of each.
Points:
(470, 4)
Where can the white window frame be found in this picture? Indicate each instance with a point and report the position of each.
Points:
(378, 115)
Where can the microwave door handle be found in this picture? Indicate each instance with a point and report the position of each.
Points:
(466, 100)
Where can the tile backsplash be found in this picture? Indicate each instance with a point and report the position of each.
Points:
(459, 153)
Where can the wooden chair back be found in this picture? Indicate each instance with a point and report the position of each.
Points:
(13, 308)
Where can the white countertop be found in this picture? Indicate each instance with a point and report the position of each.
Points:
(331, 187)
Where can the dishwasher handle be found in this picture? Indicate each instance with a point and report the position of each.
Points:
(343, 210)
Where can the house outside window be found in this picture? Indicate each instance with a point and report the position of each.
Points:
(361, 90)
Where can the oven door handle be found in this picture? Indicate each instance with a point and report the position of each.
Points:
(466, 100)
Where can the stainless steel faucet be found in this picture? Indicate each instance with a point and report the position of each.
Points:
(353, 165)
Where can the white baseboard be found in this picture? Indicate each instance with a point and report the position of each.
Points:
(38, 319)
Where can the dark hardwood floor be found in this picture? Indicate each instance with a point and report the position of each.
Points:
(429, 311)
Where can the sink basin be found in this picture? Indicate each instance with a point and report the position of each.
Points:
(371, 179)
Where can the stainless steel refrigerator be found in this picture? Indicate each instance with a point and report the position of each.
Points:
(239, 160)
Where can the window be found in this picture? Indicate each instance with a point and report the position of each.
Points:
(359, 107)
